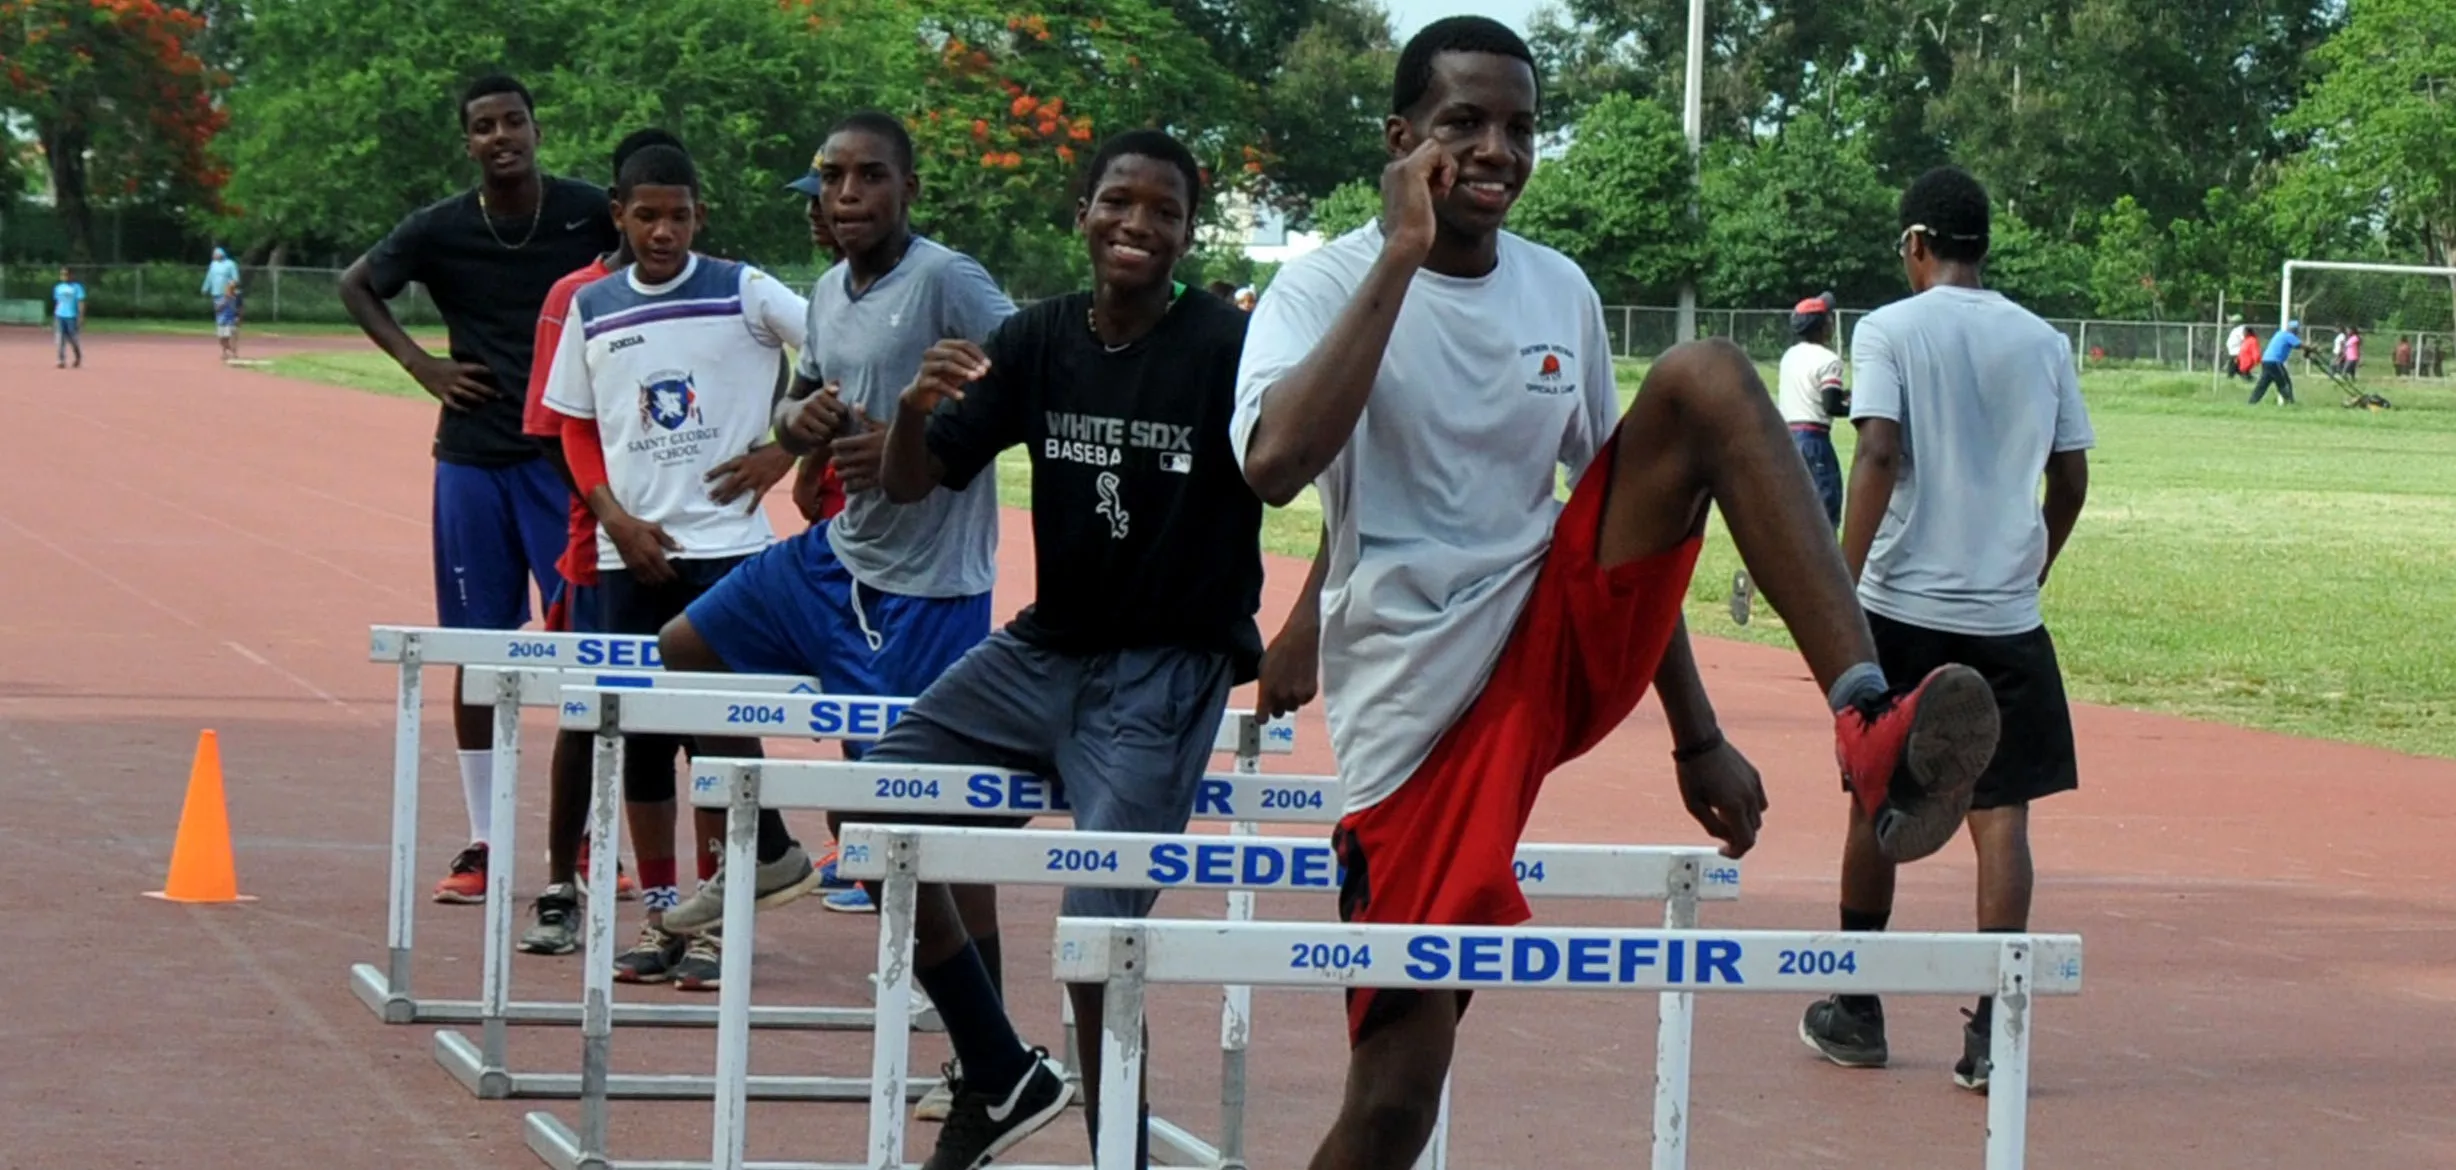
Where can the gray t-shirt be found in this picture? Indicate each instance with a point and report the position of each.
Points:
(945, 545)
(1983, 390)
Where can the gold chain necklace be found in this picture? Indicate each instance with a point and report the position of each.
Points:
(536, 215)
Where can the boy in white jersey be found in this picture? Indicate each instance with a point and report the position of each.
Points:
(1963, 400)
(666, 370)
(1809, 391)
(1430, 375)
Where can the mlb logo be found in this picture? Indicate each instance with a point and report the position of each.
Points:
(1176, 461)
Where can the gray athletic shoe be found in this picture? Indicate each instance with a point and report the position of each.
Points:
(557, 929)
(780, 881)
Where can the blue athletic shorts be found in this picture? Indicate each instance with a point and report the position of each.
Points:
(496, 529)
(795, 609)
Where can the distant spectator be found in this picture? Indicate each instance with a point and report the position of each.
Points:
(2349, 351)
(2401, 358)
(1224, 290)
(2234, 347)
(68, 317)
(2272, 365)
(1245, 298)
(2247, 354)
(2336, 353)
(219, 275)
(226, 319)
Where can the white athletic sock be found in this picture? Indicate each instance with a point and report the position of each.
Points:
(478, 790)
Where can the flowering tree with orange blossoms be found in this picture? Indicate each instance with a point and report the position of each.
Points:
(1011, 102)
(122, 101)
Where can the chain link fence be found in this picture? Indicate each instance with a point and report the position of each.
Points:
(291, 295)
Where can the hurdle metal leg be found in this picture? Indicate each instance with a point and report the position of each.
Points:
(2008, 1053)
(1676, 1019)
(387, 992)
(1121, 1055)
(734, 976)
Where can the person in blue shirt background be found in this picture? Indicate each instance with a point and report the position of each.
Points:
(68, 316)
(2272, 365)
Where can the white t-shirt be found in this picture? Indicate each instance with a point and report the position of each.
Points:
(1807, 369)
(1440, 506)
(680, 378)
(1984, 390)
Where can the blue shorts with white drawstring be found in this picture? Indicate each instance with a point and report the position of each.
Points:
(795, 609)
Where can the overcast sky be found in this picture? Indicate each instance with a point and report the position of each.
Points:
(1410, 15)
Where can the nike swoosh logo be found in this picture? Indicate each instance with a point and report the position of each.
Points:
(575, 225)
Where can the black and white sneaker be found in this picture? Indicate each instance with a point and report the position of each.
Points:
(557, 930)
(1977, 1041)
(980, 1127)
(1848, 1036)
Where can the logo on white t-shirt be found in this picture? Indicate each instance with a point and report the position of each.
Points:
(1111, 507)
(668, 400)
(1551, 369)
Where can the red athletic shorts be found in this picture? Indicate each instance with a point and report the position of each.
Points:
(1438, 851)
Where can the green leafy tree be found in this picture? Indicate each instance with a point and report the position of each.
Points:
(2383, 114)
(1349, 206)
(2047, 272)
(1324, 106)
(1618, 201)
(1795, 214)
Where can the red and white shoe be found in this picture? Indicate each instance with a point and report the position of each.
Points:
(1912, 758)
(625, 888)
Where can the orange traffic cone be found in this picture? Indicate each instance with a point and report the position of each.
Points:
(201, 865)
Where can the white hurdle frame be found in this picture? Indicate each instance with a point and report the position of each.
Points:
(612, 712)
(1129, 955)
(388, 992)
(481, 1066)
(905, 856)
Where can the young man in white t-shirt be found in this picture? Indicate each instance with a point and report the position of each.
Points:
(1963, 400)
(1810, 394)
(1430, 375)
(667, 369)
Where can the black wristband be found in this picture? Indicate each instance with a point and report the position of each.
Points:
(1684, 755)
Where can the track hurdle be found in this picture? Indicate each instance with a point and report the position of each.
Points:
(610, 713)
(411, 649)
(481, 1066)
(921, 790)
(1129, 956)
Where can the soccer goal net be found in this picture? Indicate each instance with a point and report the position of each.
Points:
(2371, 322)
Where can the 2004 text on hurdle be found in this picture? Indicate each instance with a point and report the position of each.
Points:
(1130, 955)
(612, 712)
(904, 856)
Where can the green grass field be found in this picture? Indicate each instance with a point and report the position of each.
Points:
(2278, 568)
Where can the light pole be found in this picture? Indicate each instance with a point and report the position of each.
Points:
(1693, 122)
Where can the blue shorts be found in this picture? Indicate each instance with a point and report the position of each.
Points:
(795, 609)
(497, 528)
(1824, 469)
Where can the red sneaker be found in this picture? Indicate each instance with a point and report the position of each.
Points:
(466, 884)
(1911, 759)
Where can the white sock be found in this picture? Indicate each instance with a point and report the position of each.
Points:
(478, 790)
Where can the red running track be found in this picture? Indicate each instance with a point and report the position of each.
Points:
(2270, 922)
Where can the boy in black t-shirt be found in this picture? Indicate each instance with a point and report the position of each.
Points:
(1146, 539)
(487, 257)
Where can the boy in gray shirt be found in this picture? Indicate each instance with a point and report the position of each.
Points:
(878, 599)
(1963, 400)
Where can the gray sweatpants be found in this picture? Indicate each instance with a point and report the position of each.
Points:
(1125, 735)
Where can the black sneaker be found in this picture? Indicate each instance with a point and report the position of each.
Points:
(1850, 1037)
(980, 1127)
(1977, 1037)
(557, 929)
(702, 965)
(650, 960)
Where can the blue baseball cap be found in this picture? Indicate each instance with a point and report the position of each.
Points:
(808, 184)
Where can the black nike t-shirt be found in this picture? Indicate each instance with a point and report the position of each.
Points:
(1144, 531)
(489, 293)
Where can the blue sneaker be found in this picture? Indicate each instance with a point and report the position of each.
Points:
(853, 900)
(827, 874)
